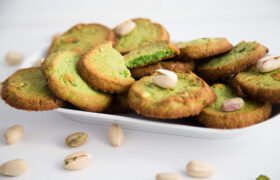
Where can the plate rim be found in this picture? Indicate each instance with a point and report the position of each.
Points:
(119, 118)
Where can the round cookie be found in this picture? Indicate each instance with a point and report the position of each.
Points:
(150, 53)
(242, 56)
(204, 48)
(258, 85)
(27, 89)
(176, 66)
(145, 31)
(187, 98)
(81, 37)
(64, 81)
(251, 113)
(103, 68)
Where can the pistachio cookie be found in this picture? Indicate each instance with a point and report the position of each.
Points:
(150, 53)
(187, 98)
(82, 37)
(250, 113)
(144, 31)
(204, 48)
(176, 66)
(242, 56)
(27, 89)
(64, 81)
(263, 86)
(103, 68)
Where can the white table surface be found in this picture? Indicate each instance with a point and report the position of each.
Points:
(27, 25)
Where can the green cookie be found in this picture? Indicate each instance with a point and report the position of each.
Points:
(150, 54)
(27, 89)
(242, 56)
(204, 48)
(145, 31)
(82, 37)
(104, 69)
(250, 113)
(263, 86)
(187, 98)
(64, 81)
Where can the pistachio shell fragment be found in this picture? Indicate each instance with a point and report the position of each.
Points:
(115, 135)
(14, 134)
(14, 167)
(200, 169)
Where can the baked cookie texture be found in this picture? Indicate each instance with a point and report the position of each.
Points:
(204, 48)
(81, 37)
(175, 66)
(64, 81)
(241, 57)
(251, 113)
(150, 53)
(188, 98)
(103, 68)
(27, 89)
(258, 85)
(145, 31)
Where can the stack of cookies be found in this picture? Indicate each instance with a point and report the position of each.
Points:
(135, 67)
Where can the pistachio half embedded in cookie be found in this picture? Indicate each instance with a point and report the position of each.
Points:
(203, 48)
(268, 63)
(259, 85)
(242, 56)
(125, 28)
(187, 98)
(232, 104)
(64, 81)
(103, 68)
(250, 113)
(81, 37)
(27, 89)
(150, 53)
(145, 31)
(165, 79)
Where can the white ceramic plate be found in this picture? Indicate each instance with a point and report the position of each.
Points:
(136, 122)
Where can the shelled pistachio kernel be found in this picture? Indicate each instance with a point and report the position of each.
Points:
(76, 139)
(263, 177)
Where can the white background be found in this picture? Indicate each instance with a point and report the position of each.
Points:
(27, 26)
